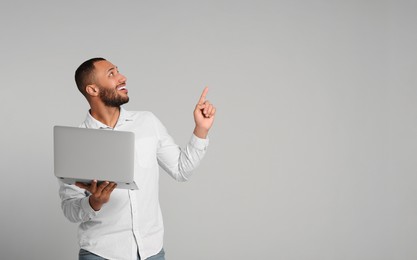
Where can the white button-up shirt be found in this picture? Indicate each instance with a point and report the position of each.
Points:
(131, 221)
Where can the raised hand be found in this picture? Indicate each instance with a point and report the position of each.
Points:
(99, 194)
(204, 114)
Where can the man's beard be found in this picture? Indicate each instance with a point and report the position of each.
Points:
(111, 98)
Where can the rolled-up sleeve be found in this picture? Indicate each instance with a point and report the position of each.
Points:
(178, 162)
(75, 204)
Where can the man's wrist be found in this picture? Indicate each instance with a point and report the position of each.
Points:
(94, 204)
(200, 132)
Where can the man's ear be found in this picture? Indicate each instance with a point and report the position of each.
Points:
(92, 90)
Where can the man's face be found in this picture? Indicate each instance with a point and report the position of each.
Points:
(111, 84)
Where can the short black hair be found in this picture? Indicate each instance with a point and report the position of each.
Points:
(84, 74)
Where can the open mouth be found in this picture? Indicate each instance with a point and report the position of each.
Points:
(122, 87)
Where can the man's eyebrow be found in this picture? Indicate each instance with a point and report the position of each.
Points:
(112, 68)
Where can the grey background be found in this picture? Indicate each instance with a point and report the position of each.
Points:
(312, 154)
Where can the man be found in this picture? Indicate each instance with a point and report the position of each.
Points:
(127, 224)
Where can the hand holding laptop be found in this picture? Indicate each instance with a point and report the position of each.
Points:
(100, 194)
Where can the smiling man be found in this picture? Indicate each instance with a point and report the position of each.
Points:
(127, 224)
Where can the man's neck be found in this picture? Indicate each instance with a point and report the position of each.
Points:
(106, 115)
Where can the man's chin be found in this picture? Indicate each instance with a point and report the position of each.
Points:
(116, 103)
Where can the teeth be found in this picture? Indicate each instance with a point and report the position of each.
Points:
(121, 88)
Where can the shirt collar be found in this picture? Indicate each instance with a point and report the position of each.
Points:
(91, 122)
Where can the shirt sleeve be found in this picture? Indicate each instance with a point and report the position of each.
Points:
(178, 162)
(75, 204)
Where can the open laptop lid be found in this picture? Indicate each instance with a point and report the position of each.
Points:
(83, 155)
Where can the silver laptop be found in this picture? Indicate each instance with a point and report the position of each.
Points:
(83, 155)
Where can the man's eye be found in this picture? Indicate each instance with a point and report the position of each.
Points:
(111, 74)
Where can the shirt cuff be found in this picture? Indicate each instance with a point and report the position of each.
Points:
(86, 207)
(199, 143)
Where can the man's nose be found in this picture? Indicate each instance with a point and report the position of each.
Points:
(122, 78)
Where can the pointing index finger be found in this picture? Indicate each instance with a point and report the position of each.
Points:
(203, 96)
